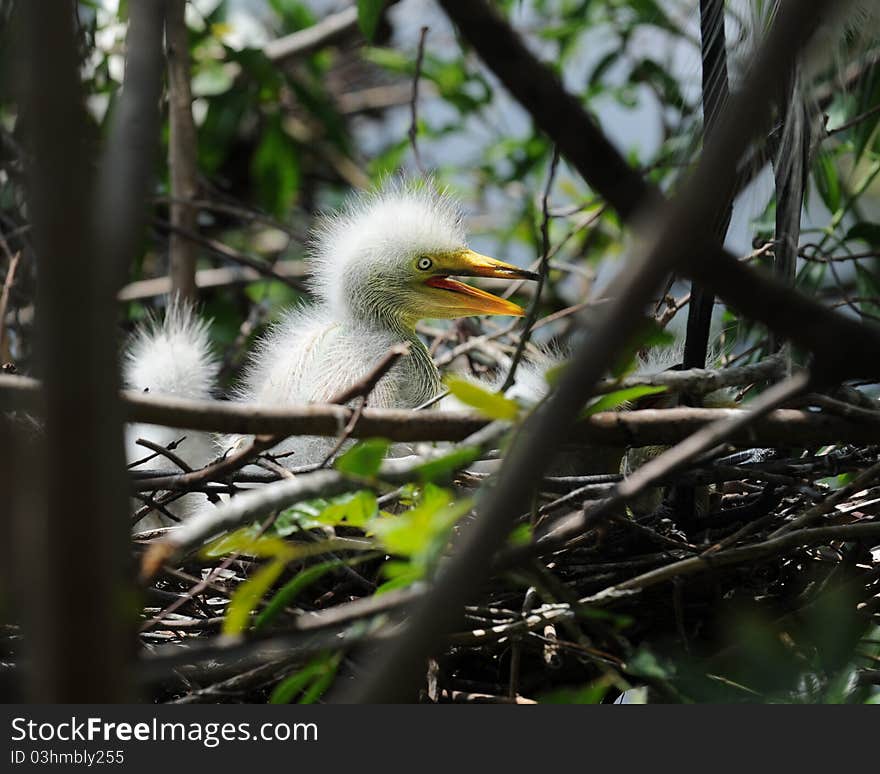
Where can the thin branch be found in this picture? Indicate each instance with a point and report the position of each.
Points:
(182, 153)
(326, 32)
(544, 267)
(414, 104)
(4, 303)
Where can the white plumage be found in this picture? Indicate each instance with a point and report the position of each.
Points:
(173, 358)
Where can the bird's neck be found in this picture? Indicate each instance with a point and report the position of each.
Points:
(404, 331)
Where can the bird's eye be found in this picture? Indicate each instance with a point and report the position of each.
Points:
(425, 263)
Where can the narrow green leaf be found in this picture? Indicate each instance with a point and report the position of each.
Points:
(364, 458)
(296, 585)
(491, 404)
(290, 687)
(444, 467)
(617, 398)
(369, 13)
(246, 597)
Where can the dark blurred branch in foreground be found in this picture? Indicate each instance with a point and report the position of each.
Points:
(680, 235)
(182, 153)
(73, 536)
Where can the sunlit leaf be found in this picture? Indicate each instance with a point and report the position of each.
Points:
(248, 595)
(364, 458)
(354, 509)
(420, 532)
(491, 404)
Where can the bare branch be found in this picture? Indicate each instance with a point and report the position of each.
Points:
(182, 153)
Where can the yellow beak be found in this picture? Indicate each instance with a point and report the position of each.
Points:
(470, 300)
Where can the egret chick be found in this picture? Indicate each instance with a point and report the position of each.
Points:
(383, 263)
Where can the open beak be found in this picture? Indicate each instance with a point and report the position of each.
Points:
(467, 263)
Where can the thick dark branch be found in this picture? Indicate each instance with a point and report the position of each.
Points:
(83, 245)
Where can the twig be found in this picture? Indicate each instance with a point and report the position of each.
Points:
(289, 272)
(414, 102)
(829, 503)
(4, 302)
(182, 153)
(532, 312)
(304, 42)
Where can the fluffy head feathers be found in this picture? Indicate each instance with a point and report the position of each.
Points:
(376, 236)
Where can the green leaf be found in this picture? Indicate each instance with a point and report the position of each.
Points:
(400, 575)
(645, 664)
(248, 595)
(296, 585)
(350, 510)
(617, 398)
(247, 541)
(442, 468)
(491, 404)
(866, 232)
(520, 535)
(311, 681)
(275, 167)
(364, 458)
(828, 182)
(369, 13)
(588, 694)
(421, 532)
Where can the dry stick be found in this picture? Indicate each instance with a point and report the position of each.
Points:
(648, 427)
(544, 267)
(265, 268)
(700, 381)
(304, 42)
(678, 235)
(674, 459)
(828, 504)
(163, 451)
(414, 104)
(84, 239)
(732, 556)
(4, 302)
(223, 276)
(182, 153)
